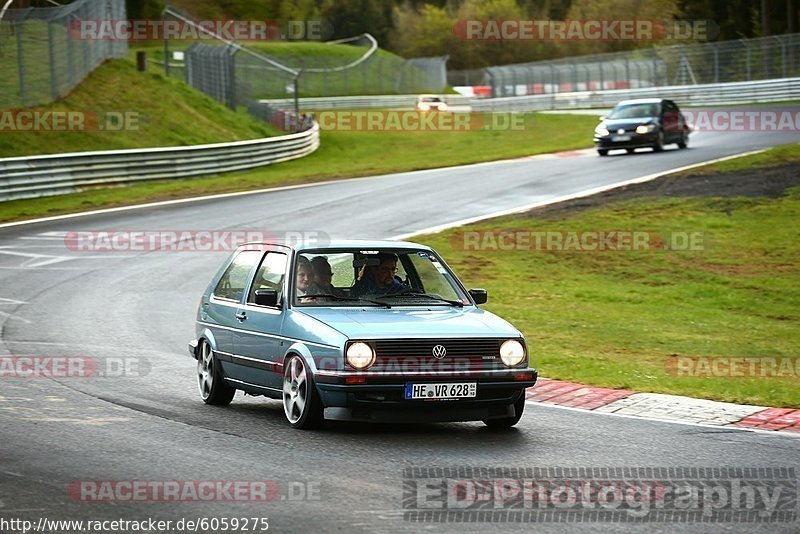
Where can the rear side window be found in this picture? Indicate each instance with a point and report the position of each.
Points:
(234, 279)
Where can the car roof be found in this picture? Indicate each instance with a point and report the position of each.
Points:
(363, 244)
(642, 101)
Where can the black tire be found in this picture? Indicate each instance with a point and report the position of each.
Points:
(684, 142)
(508, 422)
(659, 145)
(301, 403)
(210, 382)
(602, 151)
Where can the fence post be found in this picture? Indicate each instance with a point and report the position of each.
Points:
(52, 60)
(747, 61)
(20, 63)
(166, 56)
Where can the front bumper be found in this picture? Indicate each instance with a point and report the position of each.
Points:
(381, 399)
(636, 141)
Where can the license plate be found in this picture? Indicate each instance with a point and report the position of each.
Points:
(617, 138)
(460, 390)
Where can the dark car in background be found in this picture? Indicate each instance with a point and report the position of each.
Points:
(643, 123)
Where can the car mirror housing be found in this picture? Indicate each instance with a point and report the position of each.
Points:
(266, 297)
(479, 295)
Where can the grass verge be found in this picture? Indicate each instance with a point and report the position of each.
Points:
(615, 319)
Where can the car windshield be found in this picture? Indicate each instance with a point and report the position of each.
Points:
(634, 111)
(374, 277)
(430, 99)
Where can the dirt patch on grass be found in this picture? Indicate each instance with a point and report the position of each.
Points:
(768, 182)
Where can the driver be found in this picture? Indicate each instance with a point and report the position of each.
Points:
(380, 280)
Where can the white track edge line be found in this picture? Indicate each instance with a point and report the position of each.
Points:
(314, 184)
(579, 194)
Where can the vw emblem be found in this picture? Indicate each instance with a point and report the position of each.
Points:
(439, 352)
(621, 131)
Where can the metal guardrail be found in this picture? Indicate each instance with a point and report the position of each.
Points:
(361, 102)
(685, 95)
(56, 174)
(695, 95)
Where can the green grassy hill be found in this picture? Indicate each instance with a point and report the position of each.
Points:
(169, 113)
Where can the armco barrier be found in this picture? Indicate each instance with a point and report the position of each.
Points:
(684, 95)
(55, 174)
(362, 102)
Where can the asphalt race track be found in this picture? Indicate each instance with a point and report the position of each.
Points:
(148, 423)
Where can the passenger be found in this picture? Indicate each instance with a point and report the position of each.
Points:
(379, 280)
(323, 278)
(304, 277)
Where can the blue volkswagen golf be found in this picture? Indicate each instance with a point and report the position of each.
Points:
(360, 331)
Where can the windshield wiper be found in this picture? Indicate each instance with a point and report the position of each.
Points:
(434, 297)
(350, 299)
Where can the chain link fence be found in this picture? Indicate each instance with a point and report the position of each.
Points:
(727, 61)
(237, 74)
(41, 59)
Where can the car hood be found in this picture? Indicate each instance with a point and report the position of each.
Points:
(412, 322)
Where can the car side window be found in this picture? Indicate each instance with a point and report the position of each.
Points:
(233, 281)
(270, 275)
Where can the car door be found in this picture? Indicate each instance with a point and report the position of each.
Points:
(672, 121)
(257, 343)
(219, 311)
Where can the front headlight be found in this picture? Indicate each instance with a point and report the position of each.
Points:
(360, 355)
(601, 130)
(424, 107)
(512, 352)
(645, 128)
(442, 107)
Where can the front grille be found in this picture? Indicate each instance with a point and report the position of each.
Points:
(424, 347)
(407, 355)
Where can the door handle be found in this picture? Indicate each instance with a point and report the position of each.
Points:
(240, 316)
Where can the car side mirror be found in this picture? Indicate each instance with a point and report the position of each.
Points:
(266, 297)
(479, 295)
